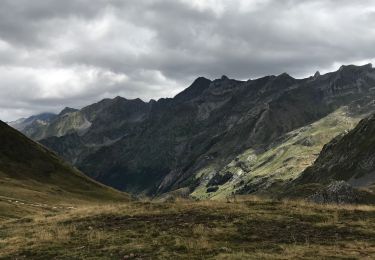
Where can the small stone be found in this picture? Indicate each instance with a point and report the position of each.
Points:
(225, 249)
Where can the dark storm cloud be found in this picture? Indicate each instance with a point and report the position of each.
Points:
(29, 23)
(56, 53)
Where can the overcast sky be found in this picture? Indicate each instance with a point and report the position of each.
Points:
(56, 53)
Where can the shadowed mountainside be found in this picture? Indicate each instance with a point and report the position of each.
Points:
(185, 141)
(349, 157)
(30, 172)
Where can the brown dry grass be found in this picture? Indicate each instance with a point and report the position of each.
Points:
(251, 228)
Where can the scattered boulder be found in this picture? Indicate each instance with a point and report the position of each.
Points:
(130, 256)
(339, 192)
(307, 141)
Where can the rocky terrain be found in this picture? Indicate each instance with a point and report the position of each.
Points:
(216, 137)
(266, 172)
(348, 158)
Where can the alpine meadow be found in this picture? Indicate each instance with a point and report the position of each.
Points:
(176, 129)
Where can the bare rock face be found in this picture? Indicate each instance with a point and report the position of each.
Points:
(339, 192)
(160, 146)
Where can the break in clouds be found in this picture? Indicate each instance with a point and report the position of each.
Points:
(74, 52)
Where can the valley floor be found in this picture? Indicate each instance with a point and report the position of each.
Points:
(250, 228)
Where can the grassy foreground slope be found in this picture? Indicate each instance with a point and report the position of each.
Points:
(247, 229)
(32, 177)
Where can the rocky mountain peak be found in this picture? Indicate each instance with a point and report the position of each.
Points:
(285, 76)
(67, 110)
(194, 90)
(349, 69)
(317, 74)
(224, 77)
(281, 81)
(119, 98)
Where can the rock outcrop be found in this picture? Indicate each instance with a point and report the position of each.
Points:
(338, 192)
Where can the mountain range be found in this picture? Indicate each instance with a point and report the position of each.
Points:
(218, 137)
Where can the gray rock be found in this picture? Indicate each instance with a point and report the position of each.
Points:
(339, 192)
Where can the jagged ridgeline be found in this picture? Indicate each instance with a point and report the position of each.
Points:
(215, 137)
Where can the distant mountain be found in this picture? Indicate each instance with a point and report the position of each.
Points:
(216, 137)
(31, 125)
(28, 171)
(67, 110)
